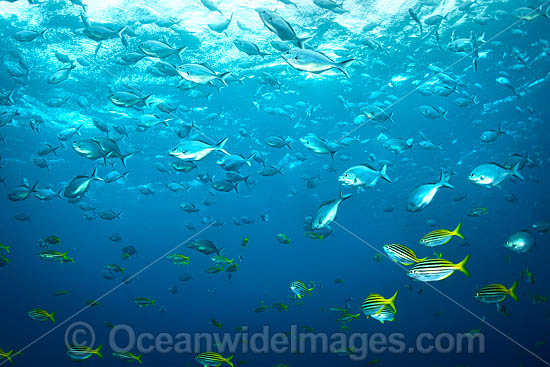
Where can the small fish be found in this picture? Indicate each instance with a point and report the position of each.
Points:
(128, 357)
(39, 314)
(283, 238)
(496, 293)
(213, 359)
(143, 301)
(374, 303)
(440, 236)
(299, 288)
(402, 254)
(215, 323)
(80, 353)
(386, 314)
(437, 269)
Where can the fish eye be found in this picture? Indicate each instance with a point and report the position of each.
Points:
(481, 177)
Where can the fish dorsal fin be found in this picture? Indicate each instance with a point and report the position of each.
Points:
(327, 202)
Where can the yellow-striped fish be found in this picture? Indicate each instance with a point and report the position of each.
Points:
(440, 236)
(386, 314)
(402, 254)
(437, 269)
(374, 303)
(82, 352)
(299, 288)
(128, 357)
(496, 293)
(39, 314)
(213, 359)
(6, 355)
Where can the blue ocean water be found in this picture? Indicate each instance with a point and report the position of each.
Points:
(396, 71)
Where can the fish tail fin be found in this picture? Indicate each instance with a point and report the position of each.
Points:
(476, 100)
(97, 352)
(250, 157)
(342, 66)
(515, 171)
(95, 176)
(223, 76)
(10, 97)
(500, 131)
(382, 173)
(221, 146)
(461, 266)
(444, 180)
(302, 41)
(51, 315)
(512, 291)
(9, 355)
(138, 358)
(344, 196)
(456, 232)
(420, 260)
(180, 52)
(144, 99)
(124, 176)
(123, 159)
(391, 301)
(33, 188)
(120, 33)
(118, 216)
(228, 361)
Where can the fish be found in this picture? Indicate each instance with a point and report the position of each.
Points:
(249, 48)
(39, 314)
(490, 136)
(402, 254)
(314, 61)
(144, 302)
(414, 17)
(127, 357)
(319, 145)
(278, 25)
(374, 303)
(386, 314)
(196, 150)
(440, 236)
(496, 293)
(423, 195)
(437, 269)
(81, 353)
(283, 238)
(520, 242)
(326, 213)
(299, 288)
(363, 176)
(213, 359)
(7, 355)
(201, 74)
(160, 49)
(493, 175)
(79, 185)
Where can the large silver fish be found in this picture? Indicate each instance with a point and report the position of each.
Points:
(327, 212)
(195, 150)
(314, 61)
(79, 185)
(491, 174)
(424, 194)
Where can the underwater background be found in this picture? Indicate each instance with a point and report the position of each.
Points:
(264, 226)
